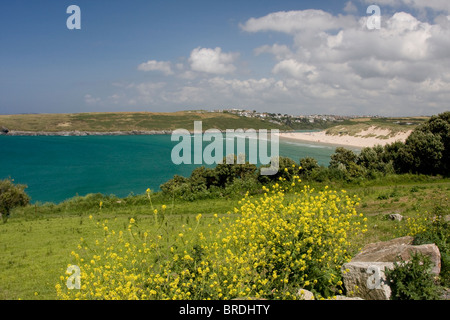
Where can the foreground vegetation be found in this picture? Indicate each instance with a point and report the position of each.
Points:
(37, 241)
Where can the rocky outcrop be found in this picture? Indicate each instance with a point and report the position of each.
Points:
(365, 276)
(399, 249)
(367, 279)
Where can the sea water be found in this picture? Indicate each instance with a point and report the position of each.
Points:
(57, 168)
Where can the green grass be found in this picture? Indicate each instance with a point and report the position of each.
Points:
(36, 242)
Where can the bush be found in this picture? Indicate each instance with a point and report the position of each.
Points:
(342, 156)
(11, 196)
(412, 280)
(422, 153)
(286, 170)
(427, 149)
(242, 186)
(437, 231)
(307, 165)
(206, 182)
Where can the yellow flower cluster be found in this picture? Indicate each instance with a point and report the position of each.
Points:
(416, 225)
(269, 247)
(278, 245)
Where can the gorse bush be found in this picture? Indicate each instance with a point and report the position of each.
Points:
(269, 247)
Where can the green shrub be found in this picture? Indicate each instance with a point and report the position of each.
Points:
(412, 280)
(286, 170)
(308, 164)
(437, 232)
(11, 196)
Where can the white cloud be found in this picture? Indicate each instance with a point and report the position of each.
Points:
(153, 65)
(279, 51)
(333, 64)
(295, 69)
(212, 61)
(437, 5)
(294, 21)
(340, 61)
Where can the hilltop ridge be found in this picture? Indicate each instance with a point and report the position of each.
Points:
(134, 123)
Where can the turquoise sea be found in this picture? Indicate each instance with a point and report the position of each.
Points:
(58, 168)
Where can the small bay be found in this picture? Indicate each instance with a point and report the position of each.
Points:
(57, 168)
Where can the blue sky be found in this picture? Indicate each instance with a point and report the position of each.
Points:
(298, 57)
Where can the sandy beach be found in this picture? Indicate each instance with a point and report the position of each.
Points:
(367, 138)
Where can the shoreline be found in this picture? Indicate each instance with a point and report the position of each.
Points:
(94, 133)
(321, 137)
(84, 133)
(316, 137)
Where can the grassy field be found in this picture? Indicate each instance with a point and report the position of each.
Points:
(131, 121)
(37, 241)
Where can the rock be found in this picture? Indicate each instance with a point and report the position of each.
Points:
(396, 216)
(348, 298)
(4, 130)
(367, 279)
(398, 249)
(305, 294)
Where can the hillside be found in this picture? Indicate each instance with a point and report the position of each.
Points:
(131, 121)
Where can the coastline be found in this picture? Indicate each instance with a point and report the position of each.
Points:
(93, 133)
(317, 137)
(344, 140)
(85, 133)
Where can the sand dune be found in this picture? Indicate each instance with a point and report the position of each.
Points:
(367, 138)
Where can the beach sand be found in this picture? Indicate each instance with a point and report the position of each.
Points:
(367, 138)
